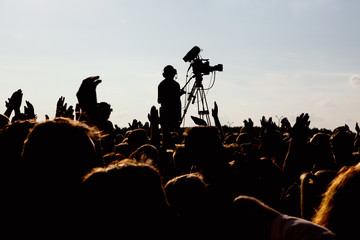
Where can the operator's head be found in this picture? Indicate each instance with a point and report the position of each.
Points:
(169, 72)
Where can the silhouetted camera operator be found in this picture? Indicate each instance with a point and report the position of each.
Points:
(169, 93)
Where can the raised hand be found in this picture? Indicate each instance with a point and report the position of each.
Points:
(215, 111)
(357, 129)
(285, 125)
(267, 125)
(70, 112)
(62, 110)
(248, 123)
(14, 103)
(215, 114)
(29, 110)
(301, 127)
(134, 125)
(87, 93)
(153, 116)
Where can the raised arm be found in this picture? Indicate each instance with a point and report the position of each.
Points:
(13, 103)
(297, 159)
(215, 114)
(86, 96)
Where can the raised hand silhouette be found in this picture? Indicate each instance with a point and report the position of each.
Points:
(135, 124)
(86, 96)
(60, 107)
(154, 120)
(29, 110)
(153, 116)
(267, 125)
(215, 111)
(215, 115)
(62, 110)
(248, 123)
(357, 129)
(300, 130)
(14, 103)
(285, 125)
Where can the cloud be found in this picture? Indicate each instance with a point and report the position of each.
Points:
(326, 103)
(354, 80)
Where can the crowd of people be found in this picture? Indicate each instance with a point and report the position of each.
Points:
(271, 182)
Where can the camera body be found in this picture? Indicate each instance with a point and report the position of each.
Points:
(200, 66)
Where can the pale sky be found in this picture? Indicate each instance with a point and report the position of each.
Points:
(280, 57)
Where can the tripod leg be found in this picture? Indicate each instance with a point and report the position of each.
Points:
(198, 92)
(189, 100)
(204, 105)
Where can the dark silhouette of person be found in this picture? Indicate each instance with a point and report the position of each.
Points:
(339, 209)
(186, 194)
(169, 93)
(126, 190)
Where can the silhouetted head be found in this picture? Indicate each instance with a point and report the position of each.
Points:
(12, 140)
(253, 217)
(4, 120)
(60, 152)
(230, 138)
(204, 147)
(271, 144)
(342, 143)
(313, 186)
(340, 210)
(137, 138)
(186, 194)
(123, 148)
(321, 147)
(321, 140)
(181, 162)
(244, 138)
(104, 110)
(126, 189)
(169, 72)
(146, 153)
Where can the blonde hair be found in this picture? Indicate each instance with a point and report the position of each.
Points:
(340, 201)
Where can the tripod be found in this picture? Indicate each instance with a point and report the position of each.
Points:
(197, 91)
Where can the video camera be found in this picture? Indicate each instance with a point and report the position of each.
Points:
(199, 65)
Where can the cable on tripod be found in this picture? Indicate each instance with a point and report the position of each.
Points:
(211, 84)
